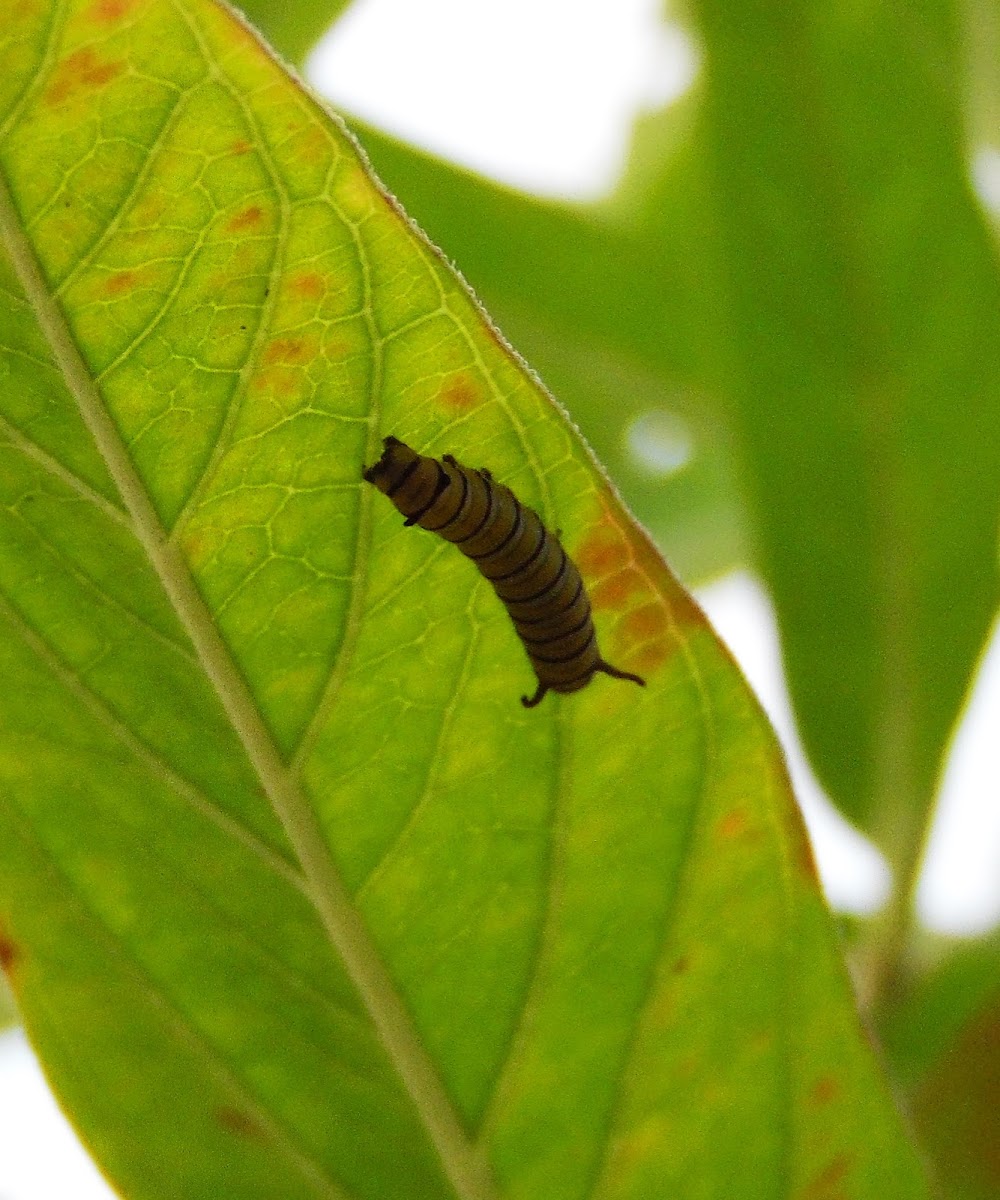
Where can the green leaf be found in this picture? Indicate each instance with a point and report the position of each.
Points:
(864, 295)
(295, 898)
(293, 27)
(8, 1014)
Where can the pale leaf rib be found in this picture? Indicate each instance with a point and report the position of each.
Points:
(146, 755)
(465, 1167)
(55, 468)
(105, 598)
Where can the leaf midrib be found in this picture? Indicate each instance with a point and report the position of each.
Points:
(465, 1168)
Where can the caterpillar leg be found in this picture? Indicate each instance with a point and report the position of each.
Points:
(536, 698)
(608, 669)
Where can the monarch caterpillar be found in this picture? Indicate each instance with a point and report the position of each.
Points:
(526, 564)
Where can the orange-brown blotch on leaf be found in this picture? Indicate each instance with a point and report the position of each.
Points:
(241, 146)
(733, 824)
(237, 1122)
(825, 1089)
(827, 1184)
(644, 624)
(309, 144)
(9, 953)
(289, 350)
(120, 282)
(798, 839)
(81, 71)
(276, 381)
(614, 591)
(602, 551)
(309, 284)
(650, 658)
(109, 11)
(247, 218)
(460, 393)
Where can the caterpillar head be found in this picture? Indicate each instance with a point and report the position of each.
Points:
(397, 459)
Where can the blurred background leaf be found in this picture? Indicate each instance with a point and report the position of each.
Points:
(864, 298)
(944, 1045)
(293, 26)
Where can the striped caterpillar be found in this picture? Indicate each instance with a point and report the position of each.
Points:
(526, 564)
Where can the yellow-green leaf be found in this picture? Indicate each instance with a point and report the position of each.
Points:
(295, 897)
(7, 1014)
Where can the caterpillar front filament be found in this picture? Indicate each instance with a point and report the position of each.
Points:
(525, 562)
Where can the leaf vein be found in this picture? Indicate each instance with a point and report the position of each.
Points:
(144, 753)
(56, 469)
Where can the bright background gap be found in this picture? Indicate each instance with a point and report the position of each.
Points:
(538, 94)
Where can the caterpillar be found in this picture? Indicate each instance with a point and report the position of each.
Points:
(530, 571)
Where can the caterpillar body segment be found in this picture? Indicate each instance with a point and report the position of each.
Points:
(530, 571)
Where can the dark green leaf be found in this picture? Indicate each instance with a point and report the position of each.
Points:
(293, 27)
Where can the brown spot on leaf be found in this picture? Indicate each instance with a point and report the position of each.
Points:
(237, 1122)
(241, 146)
(825, 1089)
(276, 381)
(81, 71)
(734, 824)
(614, 592)
(603, 550)
(120, 282)
(9, 953)
(288, 350)
(109, 11)
(247, 218)
(826, 1185)
(151, 208)
(682, 965)
(644, 624)
(460, 393)
(309, 284)
(648, 659)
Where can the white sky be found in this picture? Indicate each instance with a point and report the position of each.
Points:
(539, 94)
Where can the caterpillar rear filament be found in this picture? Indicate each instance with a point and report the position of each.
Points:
(526, 564)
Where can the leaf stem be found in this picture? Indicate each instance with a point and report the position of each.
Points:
(883, 957)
